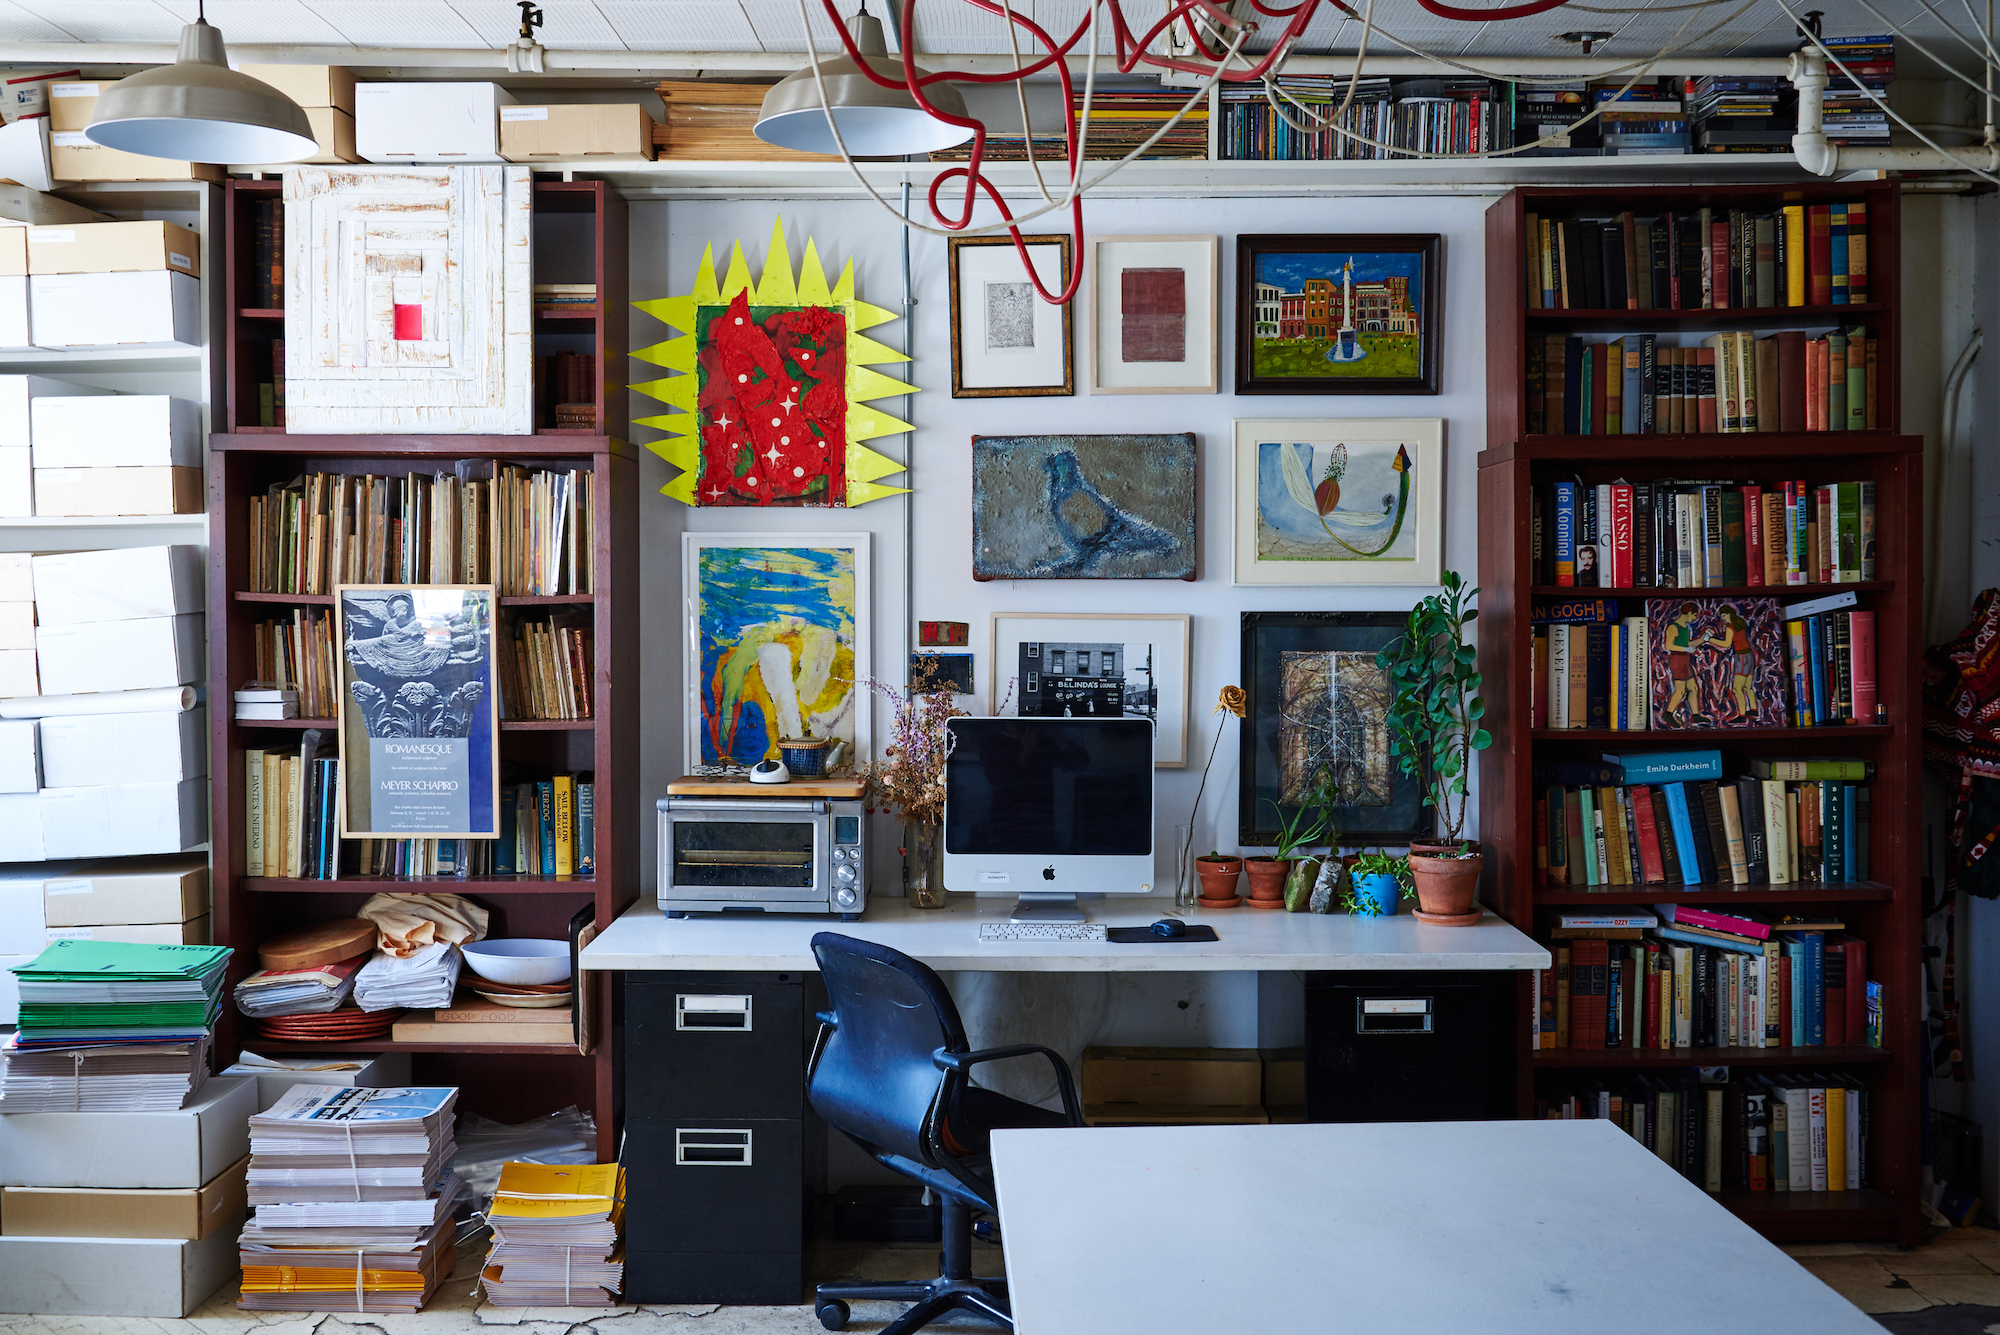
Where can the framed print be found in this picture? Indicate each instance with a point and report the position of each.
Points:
(1338, 314)
(777, 644)
(1006, 342)
(1340, 501)
(419, 724)
(1083, 507)
(1088, 664)
(1319, 716)
(1153, 314)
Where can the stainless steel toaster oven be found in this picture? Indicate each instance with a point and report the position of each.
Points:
(762, 854)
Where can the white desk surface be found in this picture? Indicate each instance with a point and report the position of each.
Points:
(948, 939)
(1381, 1228)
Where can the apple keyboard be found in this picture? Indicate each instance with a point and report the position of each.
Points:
(1041, 931)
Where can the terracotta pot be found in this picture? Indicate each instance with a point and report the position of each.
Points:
(1267, 881)
(1228, 903)
(1299, 884)
(1219, 877)
(1446, 887)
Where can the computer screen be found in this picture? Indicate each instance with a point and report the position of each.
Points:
(1050, 787)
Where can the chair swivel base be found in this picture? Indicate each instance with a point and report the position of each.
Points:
(933, 1298)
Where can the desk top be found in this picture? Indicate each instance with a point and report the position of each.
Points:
(1250, 939)
(1537, 1227)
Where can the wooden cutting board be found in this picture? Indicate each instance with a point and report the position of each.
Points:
(722, 785)
(321, 943)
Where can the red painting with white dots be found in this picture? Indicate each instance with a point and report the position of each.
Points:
(773, 405)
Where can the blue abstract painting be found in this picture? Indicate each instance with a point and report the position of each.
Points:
(1083, 507)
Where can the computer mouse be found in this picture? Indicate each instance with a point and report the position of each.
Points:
(1169, 928)
(770, 771)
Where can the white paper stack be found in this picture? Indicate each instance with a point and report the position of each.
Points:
(426, 979)
(270, 992)
(555, 1236)
(136, 1078)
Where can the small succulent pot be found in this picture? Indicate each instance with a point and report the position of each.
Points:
(1219, 879)
(1267, 881)
(1299, 884)
(1379, 889)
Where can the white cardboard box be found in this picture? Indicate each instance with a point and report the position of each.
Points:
(131, 1277)
(119, 655)
(429, 122)
(18, 392)
(23, 915)
(185, 1148)
(147, 310)
(381, 1070)
(117, 820)
(17, 484)
(118, 584)
(84, 894)
(78, 750)
(18, 675)
(17, 625)
(117, 431)
(10, 991)
(17, 577)
(194, 932)
(20, 758)
(15, 333)
(20, 829)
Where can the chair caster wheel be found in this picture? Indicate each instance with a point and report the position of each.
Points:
(832, 1314)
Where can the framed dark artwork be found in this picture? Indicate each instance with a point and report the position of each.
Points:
(1716, 663)
(954, 670)
(1319, 713)
(1006, 342)
(1083, 507)
(1338, 314)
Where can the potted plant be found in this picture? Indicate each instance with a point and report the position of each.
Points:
(1434, 729)
(1219, 874)
(1268, 874)
(1305, 875)
(1376, 883)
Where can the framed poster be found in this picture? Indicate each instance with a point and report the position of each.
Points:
(1343, 314)
(1090, 664)
(1083, 507)
(1340, 501)
(1006, 342)
(1153, 314)
(1319, 715)
(777, 644)
(419, 727)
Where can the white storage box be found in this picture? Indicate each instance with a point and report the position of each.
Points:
(18, 675)
(17, 625)
(17, 484)
(429, 122)
(118, 820)
(128, 1277)
(185, 1148)
(20, 759)
(79, 750)
(20, 830)
(18, 392)
(17, 577)
(117, 431)
(83, 894)
(381, 1070)
(15, 332)
(10, 991)
(194, 932)
(144, 310)
(119, 655)
(118, 584)
(23, 916)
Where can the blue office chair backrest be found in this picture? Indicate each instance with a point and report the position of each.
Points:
(874, 1078)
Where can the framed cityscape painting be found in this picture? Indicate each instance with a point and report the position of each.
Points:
(1095, 665)
(1153, 314)
(1345, 314)
(1317, 730)
(1006, 342)
(1340, 501)
(777, 642)
(1083, 507)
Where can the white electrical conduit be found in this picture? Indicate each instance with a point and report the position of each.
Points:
(1822, 157)
(1941, 482)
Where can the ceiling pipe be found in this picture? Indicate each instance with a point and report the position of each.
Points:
(1822, 157)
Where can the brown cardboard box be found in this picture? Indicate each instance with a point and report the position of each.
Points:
(114, 247)
(311, 86)
(74, 158)
(1172, 1087)
(153, 891)
(72, 103)
(615, 132)
(86, 1212)
(13, 252)
(118, 491)
(193, 932)
(334, 129)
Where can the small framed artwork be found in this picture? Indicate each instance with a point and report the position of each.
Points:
(1317, 730)
(1006, 342)
(1083, 507)
(1090, 664)
(1338, 314)
(777, 637)
(1153, 315)
(1340, 501)
(419, 724)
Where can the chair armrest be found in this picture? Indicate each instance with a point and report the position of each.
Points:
(961, 1062)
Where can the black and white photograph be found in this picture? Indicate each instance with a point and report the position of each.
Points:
(1006, 341)
(1092, 665)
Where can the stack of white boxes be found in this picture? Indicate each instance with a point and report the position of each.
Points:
(17, 651)
(115, 454)
(18, 394)
(114, 284)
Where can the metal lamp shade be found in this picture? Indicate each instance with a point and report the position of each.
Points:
(875, 122)
(199, 110)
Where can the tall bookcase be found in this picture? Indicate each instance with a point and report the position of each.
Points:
(507, 1082)
(1883, 911)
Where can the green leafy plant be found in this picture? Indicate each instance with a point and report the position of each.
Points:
(1295, 833)
(1376, 863)
(1434, 719)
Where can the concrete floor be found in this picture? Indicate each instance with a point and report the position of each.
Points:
(1962, 1266)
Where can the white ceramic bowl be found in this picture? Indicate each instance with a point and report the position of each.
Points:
(519, 960)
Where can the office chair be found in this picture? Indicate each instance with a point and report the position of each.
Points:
(891, 1070)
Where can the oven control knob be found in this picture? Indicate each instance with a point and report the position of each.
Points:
(843, 896)
(844, 875)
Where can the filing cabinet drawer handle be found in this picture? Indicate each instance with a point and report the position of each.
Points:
(711, 1147)
(1393, 1015)
(711, 1011)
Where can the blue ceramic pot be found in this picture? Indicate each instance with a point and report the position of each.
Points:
(1377, 888)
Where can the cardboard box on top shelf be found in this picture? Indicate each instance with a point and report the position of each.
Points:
(83, 894)
(186, 1214)
(120, 820)
(20, 761)
(90, 656)
(79, 750)
(118, 584)
(155, 309)
(19, 675)
(429, 122)
(602, 132)
(377, 1070)
(116, 431)
(72, 157)
(333, 129)
(17, 395)
(114, 247)
(309, 85)
(194, 932)
(180, 1149)
(118, 491)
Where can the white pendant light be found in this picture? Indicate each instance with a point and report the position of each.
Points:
(199, 110)
(875, 122)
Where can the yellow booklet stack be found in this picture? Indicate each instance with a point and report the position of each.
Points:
(556, 1231)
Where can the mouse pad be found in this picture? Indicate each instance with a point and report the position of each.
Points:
(1129, 936)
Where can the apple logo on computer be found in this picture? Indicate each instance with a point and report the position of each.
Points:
(1049, 872)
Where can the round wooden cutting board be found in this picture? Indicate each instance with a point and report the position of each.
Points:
(321, 943)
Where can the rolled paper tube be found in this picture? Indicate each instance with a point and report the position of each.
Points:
(158, 700)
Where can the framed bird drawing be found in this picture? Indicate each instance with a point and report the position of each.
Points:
(1340, 502)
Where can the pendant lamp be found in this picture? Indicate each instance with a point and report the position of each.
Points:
(875, 122)
(199, 110)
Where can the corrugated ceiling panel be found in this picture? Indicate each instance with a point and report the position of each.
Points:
(108, 20)
(272, 22)
(18, 25)
(646, 25)
(575, 24)
(412, 23)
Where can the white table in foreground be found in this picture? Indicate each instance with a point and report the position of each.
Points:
(948, 938)
(1377, 1228)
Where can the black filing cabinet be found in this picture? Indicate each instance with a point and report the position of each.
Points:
(718, 1138)
(1410, 1046)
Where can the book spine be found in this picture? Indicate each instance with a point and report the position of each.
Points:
(545, 807)
(253, 812)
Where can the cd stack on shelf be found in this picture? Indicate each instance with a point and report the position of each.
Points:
(1850, 115)
(1739, 113)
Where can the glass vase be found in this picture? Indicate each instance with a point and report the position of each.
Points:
(923, 865)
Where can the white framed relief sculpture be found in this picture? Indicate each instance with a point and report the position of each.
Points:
(1095, 665)
(1006, 342)
(1339, 501)
(1153, 314)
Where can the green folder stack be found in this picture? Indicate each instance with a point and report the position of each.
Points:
(111, 991)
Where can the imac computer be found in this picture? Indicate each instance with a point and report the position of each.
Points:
(1045, 809)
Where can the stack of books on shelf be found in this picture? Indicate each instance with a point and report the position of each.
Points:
(291, 826)
(548, 828)
(556, 1233)
(267, 699)
(710, 121)
(1006, 143)
(108, 1026)
(477, 1020)
(1644, 120)
(299, 652)
(1849, 114)
(548, 674)
(1739, 113)
(1121, 119)
(354, 1200)
(1674, 818)
(267, 254)
(567, 390)
(1705, 259)
(565, 296)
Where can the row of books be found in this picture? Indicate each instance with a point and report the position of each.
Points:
(1774, 1131)
(1674, 533)
(525, 531)
(1595, 829)
(1121, 119)
(291, 822)
(1640, 384)
(271, 392)
(564, 296)
(1802, 255)
(566, 388)
(547, 673)
(422, 857)
(1644, 120)
(548, 828)
(1677, 982)
(300, 653)
(267, 254)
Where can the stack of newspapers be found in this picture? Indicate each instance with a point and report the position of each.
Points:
(353, 1200)
(556, 1236)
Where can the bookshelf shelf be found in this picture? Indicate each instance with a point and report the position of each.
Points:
(326, 599)
(471, 885)
(547, 725)
(1885, 910)
(295, 724)
(389, 1045)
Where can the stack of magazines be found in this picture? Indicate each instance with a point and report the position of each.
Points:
(272, 992)
(556, 1234)
(108, 1026)
(353, 1200)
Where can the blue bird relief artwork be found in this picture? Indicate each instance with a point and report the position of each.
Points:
(1083, 507)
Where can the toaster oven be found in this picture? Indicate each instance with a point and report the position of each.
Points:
(736, 852)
